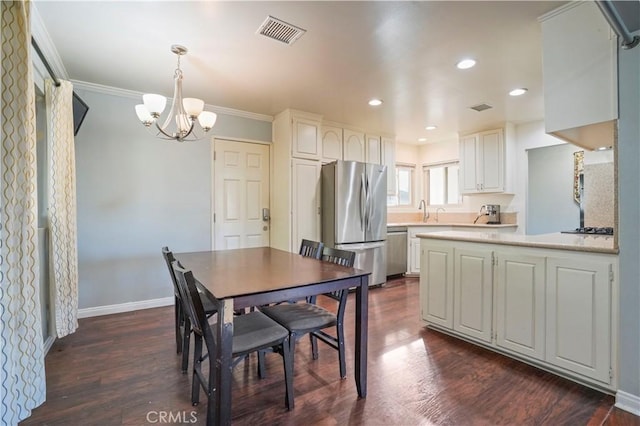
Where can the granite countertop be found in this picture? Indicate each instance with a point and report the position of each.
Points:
(575, 242)
(469, 225)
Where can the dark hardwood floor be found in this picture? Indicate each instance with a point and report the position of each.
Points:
(123, 370)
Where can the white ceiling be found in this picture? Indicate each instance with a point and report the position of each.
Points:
(402, 52)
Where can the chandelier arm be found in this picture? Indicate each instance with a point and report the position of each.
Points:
(161, 130)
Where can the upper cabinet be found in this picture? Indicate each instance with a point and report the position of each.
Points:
(372, 149)
(482, 165)
(354, 147)
(331, 143)
(580, 75)
(389, 160)
(306, 142)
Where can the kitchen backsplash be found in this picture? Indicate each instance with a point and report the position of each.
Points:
(599, 195)
(447, 217)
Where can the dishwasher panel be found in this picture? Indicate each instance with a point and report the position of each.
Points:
(396, 250)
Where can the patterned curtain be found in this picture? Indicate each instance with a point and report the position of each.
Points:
(63, 246)
(22, 374)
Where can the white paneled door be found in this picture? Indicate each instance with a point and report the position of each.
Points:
(241, 195)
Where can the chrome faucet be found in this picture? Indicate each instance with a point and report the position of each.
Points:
(425, 214)
(437, 210)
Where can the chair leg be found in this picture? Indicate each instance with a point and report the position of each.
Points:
(314, 345)
(341, 355)
(287, 357)
(261, 365)
(292, 348)
(197, 368)
(186, 338)
(178, 320)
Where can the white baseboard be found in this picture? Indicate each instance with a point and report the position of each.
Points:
(628, 402)
(124, 307)
(48, 343)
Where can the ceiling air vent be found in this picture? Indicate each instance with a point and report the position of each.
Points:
(279, 30)
(481, 107)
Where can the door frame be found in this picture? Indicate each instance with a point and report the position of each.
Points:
(213, 178)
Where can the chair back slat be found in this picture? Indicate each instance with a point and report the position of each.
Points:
(340, 257)
(192, 302)
(310, 248)
(169, 259)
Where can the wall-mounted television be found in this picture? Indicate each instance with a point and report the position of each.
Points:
(80, 110)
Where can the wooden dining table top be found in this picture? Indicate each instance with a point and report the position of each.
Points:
(239, 272)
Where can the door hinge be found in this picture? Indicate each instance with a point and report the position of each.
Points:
(214, 155)
(610, 276)
(214, 218)
(494, 259)
(610, 373)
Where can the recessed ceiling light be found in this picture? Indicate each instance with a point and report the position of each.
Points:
(431, 127)
(518, 92)
(422, 139)
(465, 64)
(375, 102)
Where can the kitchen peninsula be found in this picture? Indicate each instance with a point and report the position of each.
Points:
(549, 300)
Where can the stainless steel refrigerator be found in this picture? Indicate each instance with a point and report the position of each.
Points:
(354, 213)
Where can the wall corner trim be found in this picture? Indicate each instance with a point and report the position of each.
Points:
(125, 307)
(628, 402)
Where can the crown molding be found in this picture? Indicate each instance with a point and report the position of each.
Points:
(43, 39)
(115, 91)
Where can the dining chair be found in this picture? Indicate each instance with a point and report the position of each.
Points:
(182, 322)
(310, 248)
(252, 332)
(310, 318)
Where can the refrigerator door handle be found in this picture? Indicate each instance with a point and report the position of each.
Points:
(368, 204)
(363, 204)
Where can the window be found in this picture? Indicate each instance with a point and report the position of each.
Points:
(441, 184)
(404, 187)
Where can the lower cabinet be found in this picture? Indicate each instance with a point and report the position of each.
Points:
(520, 301)
(472, 293)
(555, 308)
(436, 285)
(579, 294)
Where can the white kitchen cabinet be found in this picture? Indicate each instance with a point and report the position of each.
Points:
(579, 67)
(353, 145)
(295, 199)
(331, 143)
(389, 160)
(472, 293)
(305, 210)
(482, 162)
(373, 152)
(579, 315)
(520, 303)
(413, 247)
(436, 284)
(306, 137)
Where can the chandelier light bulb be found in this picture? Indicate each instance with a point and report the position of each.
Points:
(192, 106)
(154, 103)
(144, 116)
(207, 119)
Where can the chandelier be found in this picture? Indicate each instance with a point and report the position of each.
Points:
(180, 122)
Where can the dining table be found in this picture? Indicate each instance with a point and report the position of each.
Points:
(248, 277)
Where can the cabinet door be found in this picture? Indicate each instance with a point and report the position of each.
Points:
(331, 143)
(468, 166)
(305, 201)
(389, 160)
(414, 255)
(472, 293)
(578, 309)
(520, 291)
(372, 149)
(353, 145)
(436, 284)
(306, 138)
(490, 161)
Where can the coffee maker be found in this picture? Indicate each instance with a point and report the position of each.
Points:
(493, 211)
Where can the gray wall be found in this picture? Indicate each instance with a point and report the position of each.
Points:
(550, 204)
(629, 219)
(137, 193)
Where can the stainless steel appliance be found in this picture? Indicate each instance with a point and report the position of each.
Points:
(396, 250)
(354, 213)
(591, 230)
(493, 211)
